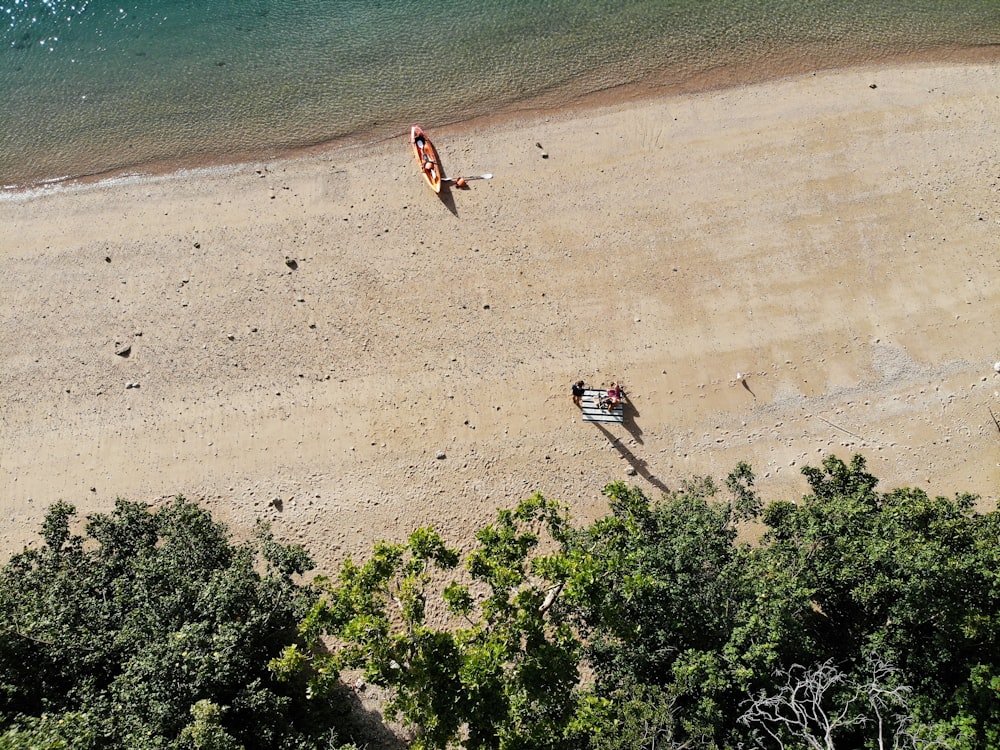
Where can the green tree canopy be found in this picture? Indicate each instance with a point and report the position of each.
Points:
(498, 672)
(679, 627)
(152, 630)
(912, 579)
(860, 620)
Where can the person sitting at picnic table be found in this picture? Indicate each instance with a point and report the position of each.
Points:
(613, 397)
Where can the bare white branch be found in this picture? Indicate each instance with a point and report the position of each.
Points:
(816, 704)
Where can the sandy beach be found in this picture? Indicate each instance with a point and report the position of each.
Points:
(323, 343)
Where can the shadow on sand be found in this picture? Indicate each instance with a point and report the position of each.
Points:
(630, 413)
(640, 466)
(363, 726)
(446, 197)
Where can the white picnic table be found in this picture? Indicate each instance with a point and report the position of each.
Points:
(594, 413)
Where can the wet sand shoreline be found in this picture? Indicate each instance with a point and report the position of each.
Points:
(787, 64)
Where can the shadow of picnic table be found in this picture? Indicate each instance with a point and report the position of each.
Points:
(639, 465)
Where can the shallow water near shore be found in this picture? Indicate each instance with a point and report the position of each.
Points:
(92, 87)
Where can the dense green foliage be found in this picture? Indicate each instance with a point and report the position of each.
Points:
(860, 620)
(503, 668)
(152, 630)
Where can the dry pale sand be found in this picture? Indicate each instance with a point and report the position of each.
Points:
(835, 241)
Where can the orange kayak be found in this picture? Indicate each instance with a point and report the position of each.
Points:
(427, 157)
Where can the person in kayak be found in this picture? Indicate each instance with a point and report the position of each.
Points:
(419, 142)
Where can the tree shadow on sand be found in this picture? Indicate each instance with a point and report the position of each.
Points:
(363, 724)
(640, 466)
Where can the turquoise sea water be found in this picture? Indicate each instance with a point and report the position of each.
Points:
(96, 86)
